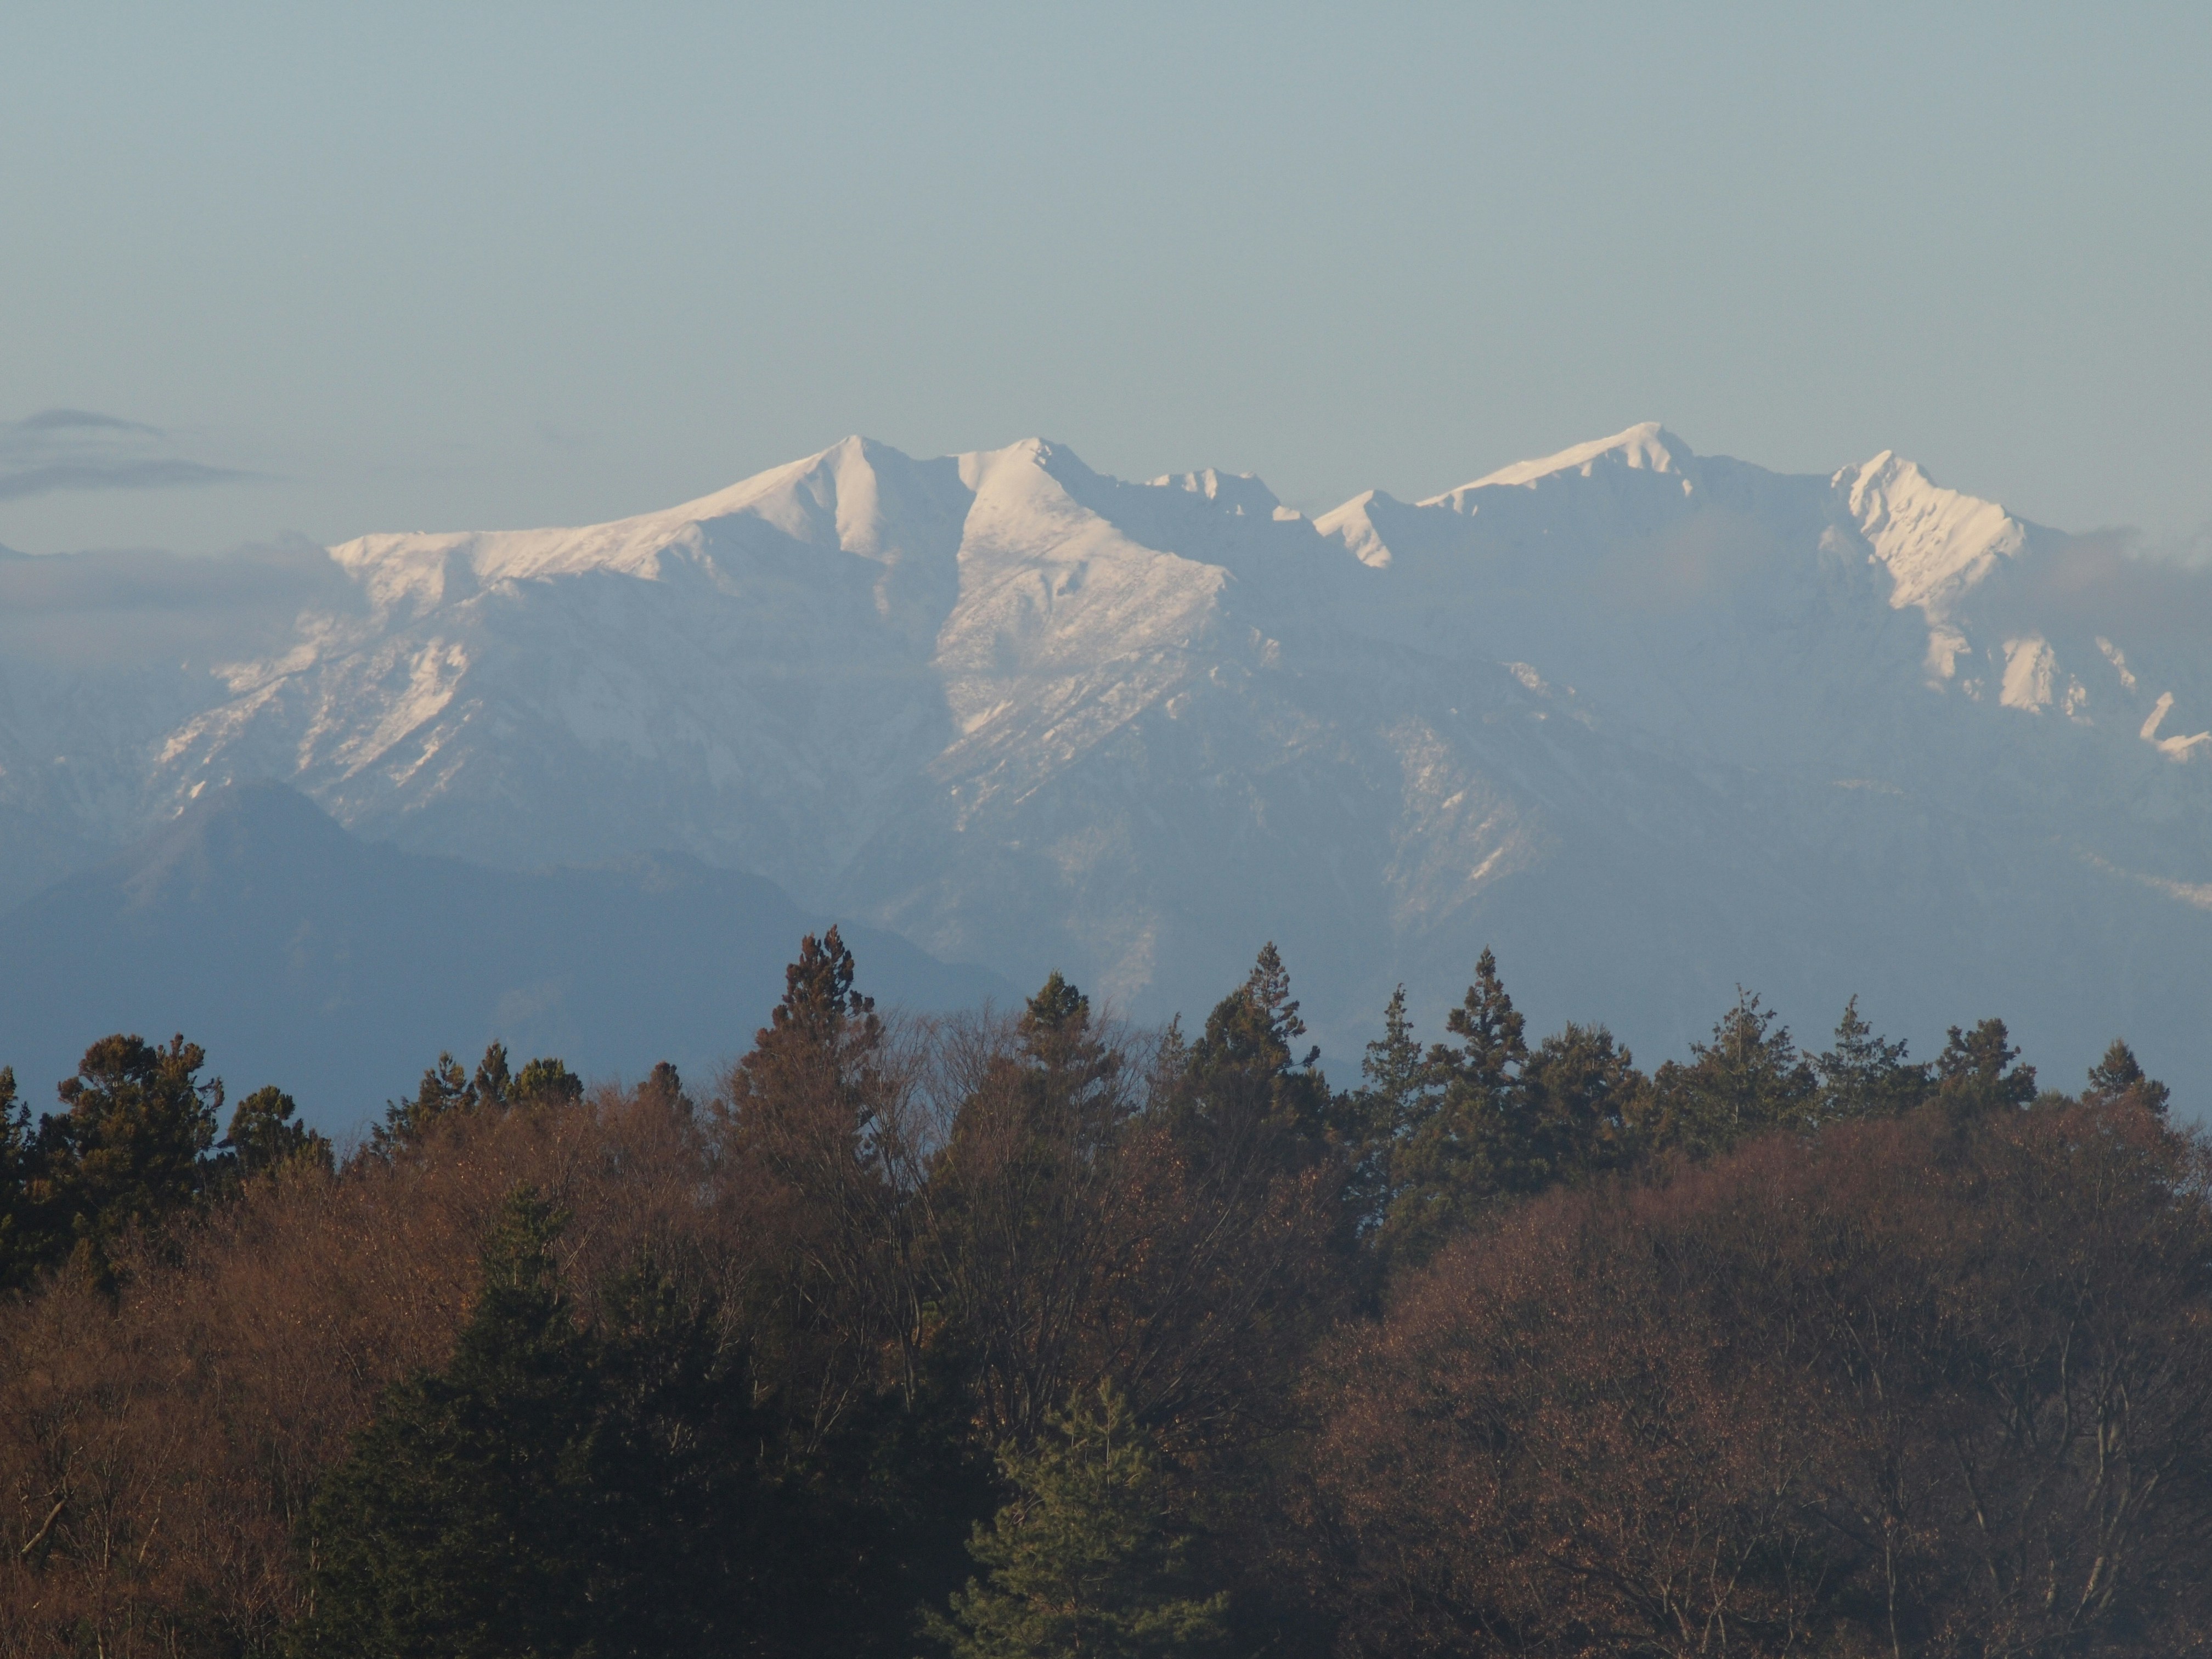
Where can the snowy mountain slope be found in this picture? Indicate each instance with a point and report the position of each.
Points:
(1652, 722)
(1802, 624)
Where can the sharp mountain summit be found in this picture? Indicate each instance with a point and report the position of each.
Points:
(1654, 724)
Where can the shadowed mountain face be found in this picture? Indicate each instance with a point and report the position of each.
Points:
(298, 955)
(1653, 724)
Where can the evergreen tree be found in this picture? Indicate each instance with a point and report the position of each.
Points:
(1748, 1080)
(665, 1086)
(835, 1304)
(2119, 1077)
(1057, 1010)
(18, 1242)
(1861, 1076)
(1494, 1036)
(1576, 1111)
(1395, 1073)
(129, 1148)
(446, 1089)
(806, 1095)
(697, 1555)
(489, 1086)
(1245, 1072)
(1019, 1204)
(1069, 1107)
(1465, 1139)
(1087, 1560)
(818, 1000)
(463, 1524)
(264, 1134)
(1395, 1099)
(1975, 1074)
(545, 1082)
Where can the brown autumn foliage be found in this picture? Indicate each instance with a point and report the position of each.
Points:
(157, 1451)
(875, 1209)
(1937, 1384)
(1025, 1214)
(1095, 1215)
(1905, 1387)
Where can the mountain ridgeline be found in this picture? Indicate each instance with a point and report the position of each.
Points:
(1031, 1335)
(295, 950)
(1654, 723)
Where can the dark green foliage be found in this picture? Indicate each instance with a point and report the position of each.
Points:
(1088, 1560)
(545, 1082)
(128, 1149)
(1579, 1103)
(1057, 1009)
(1244, 1074)
(1394, 1101)
(875, 1255)
(1492, 1119)
(133, 1146)
(1861, 1076)
(465, 1522)
(1975, 1074)
(2119, 1077)
(446, 1089)
(694, 1552)
(868, 1521)
(665, 1087)
(555, 1490)
(561, 1490)
(1465, 1137)
(818, 998)
(1749, 1079)
(263, 1135)
(18, 1242)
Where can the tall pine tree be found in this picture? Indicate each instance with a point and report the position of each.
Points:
(1976, 1074)
(2119, 1077)
(1864, 1076)
(265, 1133)
(1088, 1560)
(1395, 1097)
(19, 1240)
(1466, 1138)
(1748, 1080)
(1245, 1071)
(128, 1149)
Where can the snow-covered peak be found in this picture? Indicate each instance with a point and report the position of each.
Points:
(1238, 493)
(1646, 447)
(832, 498)
(1040, 716)
(1936, 543)
(1380, 530)
(1354, 523)
(857, 495)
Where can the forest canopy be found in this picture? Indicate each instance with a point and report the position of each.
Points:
(1028, 1333)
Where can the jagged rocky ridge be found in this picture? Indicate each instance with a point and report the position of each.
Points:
(1653, 724)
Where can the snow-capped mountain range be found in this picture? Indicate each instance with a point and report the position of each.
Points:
(1651, 723)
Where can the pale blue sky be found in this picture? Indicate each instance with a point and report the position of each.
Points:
(438, 266)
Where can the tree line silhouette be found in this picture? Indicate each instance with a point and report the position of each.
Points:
(1031, 1333)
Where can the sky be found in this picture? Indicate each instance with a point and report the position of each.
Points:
(272, 271)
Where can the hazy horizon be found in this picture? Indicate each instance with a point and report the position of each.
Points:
(323, 273)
